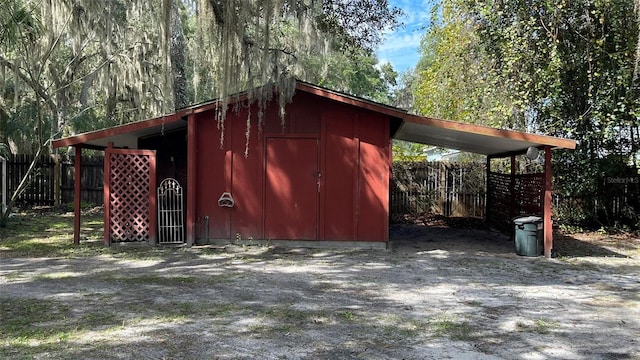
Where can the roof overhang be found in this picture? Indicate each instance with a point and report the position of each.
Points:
(448, 134)
(126, 136)
(441, 133)
(473, 138)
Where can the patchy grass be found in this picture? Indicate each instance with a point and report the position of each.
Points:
(289, 314)
(539, 326)
(146, 279)
(102, 302)
(395, 327)
(50, 234)
(445, 325)
(164, 280)
(347, 315)
(33, 325)
(101, 318)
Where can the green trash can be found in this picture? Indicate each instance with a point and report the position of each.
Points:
(529, 236)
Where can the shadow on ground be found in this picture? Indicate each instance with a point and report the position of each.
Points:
(570, 246)
(459, 234)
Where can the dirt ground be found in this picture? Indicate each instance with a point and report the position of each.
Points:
(439, 293)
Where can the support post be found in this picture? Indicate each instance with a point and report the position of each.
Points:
(107, 194)
(191, 178)
(4, 185)
(512, 189)
(487, 200)
(548, 223)
(77, 196)
(57, 196)
(153, 212)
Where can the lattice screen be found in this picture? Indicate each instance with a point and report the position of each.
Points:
(528, 198)
(529, 191)
(498, 200)
(130, 181)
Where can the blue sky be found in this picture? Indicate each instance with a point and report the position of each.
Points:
(402, 47)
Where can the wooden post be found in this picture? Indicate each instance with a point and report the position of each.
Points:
(548, 223)
(77, 194)
(487, 200)
(56, 179)
(443, 188)
(153, 213)
(107, 194)
(512, 190)
(191, 178)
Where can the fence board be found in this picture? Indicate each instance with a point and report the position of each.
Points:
(417, 189)
(41, 190)
(437, 188)
(92, 180)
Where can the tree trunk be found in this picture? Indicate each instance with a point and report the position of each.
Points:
(177, 59)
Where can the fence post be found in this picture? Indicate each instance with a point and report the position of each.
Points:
(548, 223)
(56, 179)
(512, 189)
(77, 194)
(443, 187)
(487, 191)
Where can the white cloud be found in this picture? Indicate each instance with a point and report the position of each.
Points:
(400, 41)
(401, 47)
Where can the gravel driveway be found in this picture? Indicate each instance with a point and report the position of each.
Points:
(438, 293)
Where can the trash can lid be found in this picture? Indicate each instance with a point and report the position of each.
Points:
(527, 220)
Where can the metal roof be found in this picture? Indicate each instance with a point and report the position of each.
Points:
(442, 133)
(473, 138)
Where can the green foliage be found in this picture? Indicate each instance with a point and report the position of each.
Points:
(562, 68)
(17, 23)
(356, 73)
(455, 77)
(405, 151)
(356, 24)
(69, 66)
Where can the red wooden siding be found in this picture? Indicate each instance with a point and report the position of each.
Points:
(212, 176)
(373, 214)
(291, 189)
(247, 184)
(323, 175)
(340, 164)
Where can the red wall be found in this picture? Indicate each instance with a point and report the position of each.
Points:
(322, 175)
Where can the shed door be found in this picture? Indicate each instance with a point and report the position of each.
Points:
(291, 191)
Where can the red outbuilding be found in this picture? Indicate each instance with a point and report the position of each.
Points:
(321, 175)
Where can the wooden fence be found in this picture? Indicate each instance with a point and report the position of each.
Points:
(438, 188)
(417, 188)
(509, 197)
(41, 188)
(92, 180)
(49, 174)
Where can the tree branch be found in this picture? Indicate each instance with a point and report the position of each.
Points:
(35, 86)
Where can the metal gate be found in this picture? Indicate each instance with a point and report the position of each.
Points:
(170, 212)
